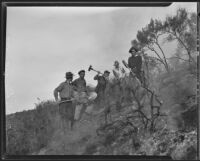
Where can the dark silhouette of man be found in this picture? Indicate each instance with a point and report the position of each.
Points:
(135, 62)
(101, 87)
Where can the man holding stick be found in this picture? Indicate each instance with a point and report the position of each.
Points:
(135, 62)
(66, 105)
(101, 87)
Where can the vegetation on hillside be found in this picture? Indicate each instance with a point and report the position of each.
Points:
(157, 119)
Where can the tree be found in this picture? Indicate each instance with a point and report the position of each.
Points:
(148, 39)
(183, 28)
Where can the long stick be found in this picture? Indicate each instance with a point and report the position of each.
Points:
(96, 71)
(65, 101)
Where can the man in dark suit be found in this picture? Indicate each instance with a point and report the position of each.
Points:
(135, 62)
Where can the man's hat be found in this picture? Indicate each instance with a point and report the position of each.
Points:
(69, 75)
(106, 71)
(133, 48)
(81, 71)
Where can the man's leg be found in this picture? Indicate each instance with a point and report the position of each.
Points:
(62, 116)
(84, 106)
(84, 101)
(71, 124)
(97, 100)
(139, 76)
(68, 113)
(72, 111)
(118, 105)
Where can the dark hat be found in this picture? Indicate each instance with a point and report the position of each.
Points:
(133, 48)
(106, 71)
(81, 71)
(69, 75)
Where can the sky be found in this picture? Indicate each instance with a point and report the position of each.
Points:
(43, 43)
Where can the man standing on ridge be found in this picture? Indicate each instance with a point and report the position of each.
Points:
(81, 91)
(135, 62)
(101, 87)
(66, 105)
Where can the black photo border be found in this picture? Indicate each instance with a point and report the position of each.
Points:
(88, 3)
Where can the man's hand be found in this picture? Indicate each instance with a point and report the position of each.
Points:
(74, 101)
(56, 99)
(134, 70)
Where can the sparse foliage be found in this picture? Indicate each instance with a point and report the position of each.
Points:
(183, 28)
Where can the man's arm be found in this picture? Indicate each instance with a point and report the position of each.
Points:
(85, 87)
(139, 63)
(56, 94)
(96, 77)
(74, 84)
(129, 62)
(57, 90)
(85, 83)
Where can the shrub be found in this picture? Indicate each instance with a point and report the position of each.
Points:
(29, 131)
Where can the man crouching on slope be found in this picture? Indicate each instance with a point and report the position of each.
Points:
(66, 105)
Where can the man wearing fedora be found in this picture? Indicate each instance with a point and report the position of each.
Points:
(135, 62)
(66, 104)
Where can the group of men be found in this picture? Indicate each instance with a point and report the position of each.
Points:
(73, 92)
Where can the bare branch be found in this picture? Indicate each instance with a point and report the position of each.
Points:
(163, 55)
(183, 44)
(174, 57)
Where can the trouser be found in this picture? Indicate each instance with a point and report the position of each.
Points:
(81, 104)
(140, 75)
(81, 97)
(100, 99)
(66, 110)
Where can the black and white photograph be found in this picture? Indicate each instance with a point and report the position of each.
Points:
(102, 80)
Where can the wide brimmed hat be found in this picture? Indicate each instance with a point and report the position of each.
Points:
(69, 74)
(133, 48)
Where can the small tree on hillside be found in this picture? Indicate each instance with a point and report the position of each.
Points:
(181, 27)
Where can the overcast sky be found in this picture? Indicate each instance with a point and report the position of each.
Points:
(45, 42)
